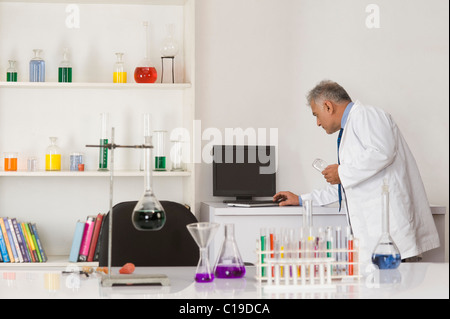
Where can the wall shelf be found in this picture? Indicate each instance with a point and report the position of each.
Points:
(118, 173)
(80, 85)
(31, 112)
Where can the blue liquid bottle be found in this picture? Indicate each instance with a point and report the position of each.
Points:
(386, 254)
(37, 67)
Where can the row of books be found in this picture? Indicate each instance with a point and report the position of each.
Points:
(20, 242)
(85, 243)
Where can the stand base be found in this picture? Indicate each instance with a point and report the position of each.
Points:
(133, 280)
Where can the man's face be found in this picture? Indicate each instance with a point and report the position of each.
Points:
(325, 114)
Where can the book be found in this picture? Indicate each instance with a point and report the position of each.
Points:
(76, 242)
(6, 238)
(95, 235)
(3, 250)
(20, 242)
(87, 237)
(38, 242)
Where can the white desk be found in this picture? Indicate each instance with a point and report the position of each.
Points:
(249, 221)
(414, 280)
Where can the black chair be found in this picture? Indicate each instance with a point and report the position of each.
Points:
(173, 245)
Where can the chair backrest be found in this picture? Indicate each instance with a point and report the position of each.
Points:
(171, 246)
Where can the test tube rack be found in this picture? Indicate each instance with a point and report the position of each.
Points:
(306, 269)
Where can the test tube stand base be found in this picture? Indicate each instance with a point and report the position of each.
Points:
(134, 280)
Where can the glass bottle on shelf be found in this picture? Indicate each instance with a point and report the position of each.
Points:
(11, 72)
(65, 68)
(386, 255)
(37, 67)
(145, 72)
(229, 264)
(53, 156)
(120, 75)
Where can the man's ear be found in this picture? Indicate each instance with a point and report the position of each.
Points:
(329, 107)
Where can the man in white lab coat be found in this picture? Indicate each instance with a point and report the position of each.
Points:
(371, 150)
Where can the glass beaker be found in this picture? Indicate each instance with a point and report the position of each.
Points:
(386, 255)
(176, 155)
(145, 72)
(103, 151)
(10, 161)
(65, 68)
(148, 214)
(11, 72)
(319, 164)
(37, 67)
(53, 156)
(203, 233)
(119, 75)
(229, 263)
(160, 150)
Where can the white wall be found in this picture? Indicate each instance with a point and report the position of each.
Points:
(257, 59)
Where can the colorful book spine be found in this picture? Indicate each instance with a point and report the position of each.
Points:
(95, 236)
(6, 238)
(21, 241)
(3, 250)
(39, 244)
(87, 237)
(76, 242)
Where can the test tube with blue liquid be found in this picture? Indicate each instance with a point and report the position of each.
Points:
(37, 67)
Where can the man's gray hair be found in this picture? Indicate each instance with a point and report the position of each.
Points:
(328, 90)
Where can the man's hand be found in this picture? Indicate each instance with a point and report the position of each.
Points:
(286, 199)
(331, 174)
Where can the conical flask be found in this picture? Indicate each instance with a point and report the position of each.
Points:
(148, 214)
(229, 263)
(203, 233)
(386, 255)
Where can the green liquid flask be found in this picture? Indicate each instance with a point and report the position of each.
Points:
(103, 152)
(11, 73)
(65, 69)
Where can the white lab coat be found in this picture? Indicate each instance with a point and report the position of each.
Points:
(373, 149)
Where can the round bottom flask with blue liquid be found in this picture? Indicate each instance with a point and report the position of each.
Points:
(386, 254)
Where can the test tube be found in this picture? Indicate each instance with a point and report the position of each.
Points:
(103, 152)
(349, 251)
(338, 248)
(271, 247)
(263, 237)
(329, 235)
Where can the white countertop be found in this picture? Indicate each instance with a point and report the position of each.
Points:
(410, 280)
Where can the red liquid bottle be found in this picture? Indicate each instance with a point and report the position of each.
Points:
(145, 72)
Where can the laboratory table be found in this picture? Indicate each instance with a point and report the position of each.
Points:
(410, 280)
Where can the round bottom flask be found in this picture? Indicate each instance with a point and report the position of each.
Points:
(148, 214)
(386, 255)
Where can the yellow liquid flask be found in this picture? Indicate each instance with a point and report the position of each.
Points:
(119, 75)
(53, 156)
